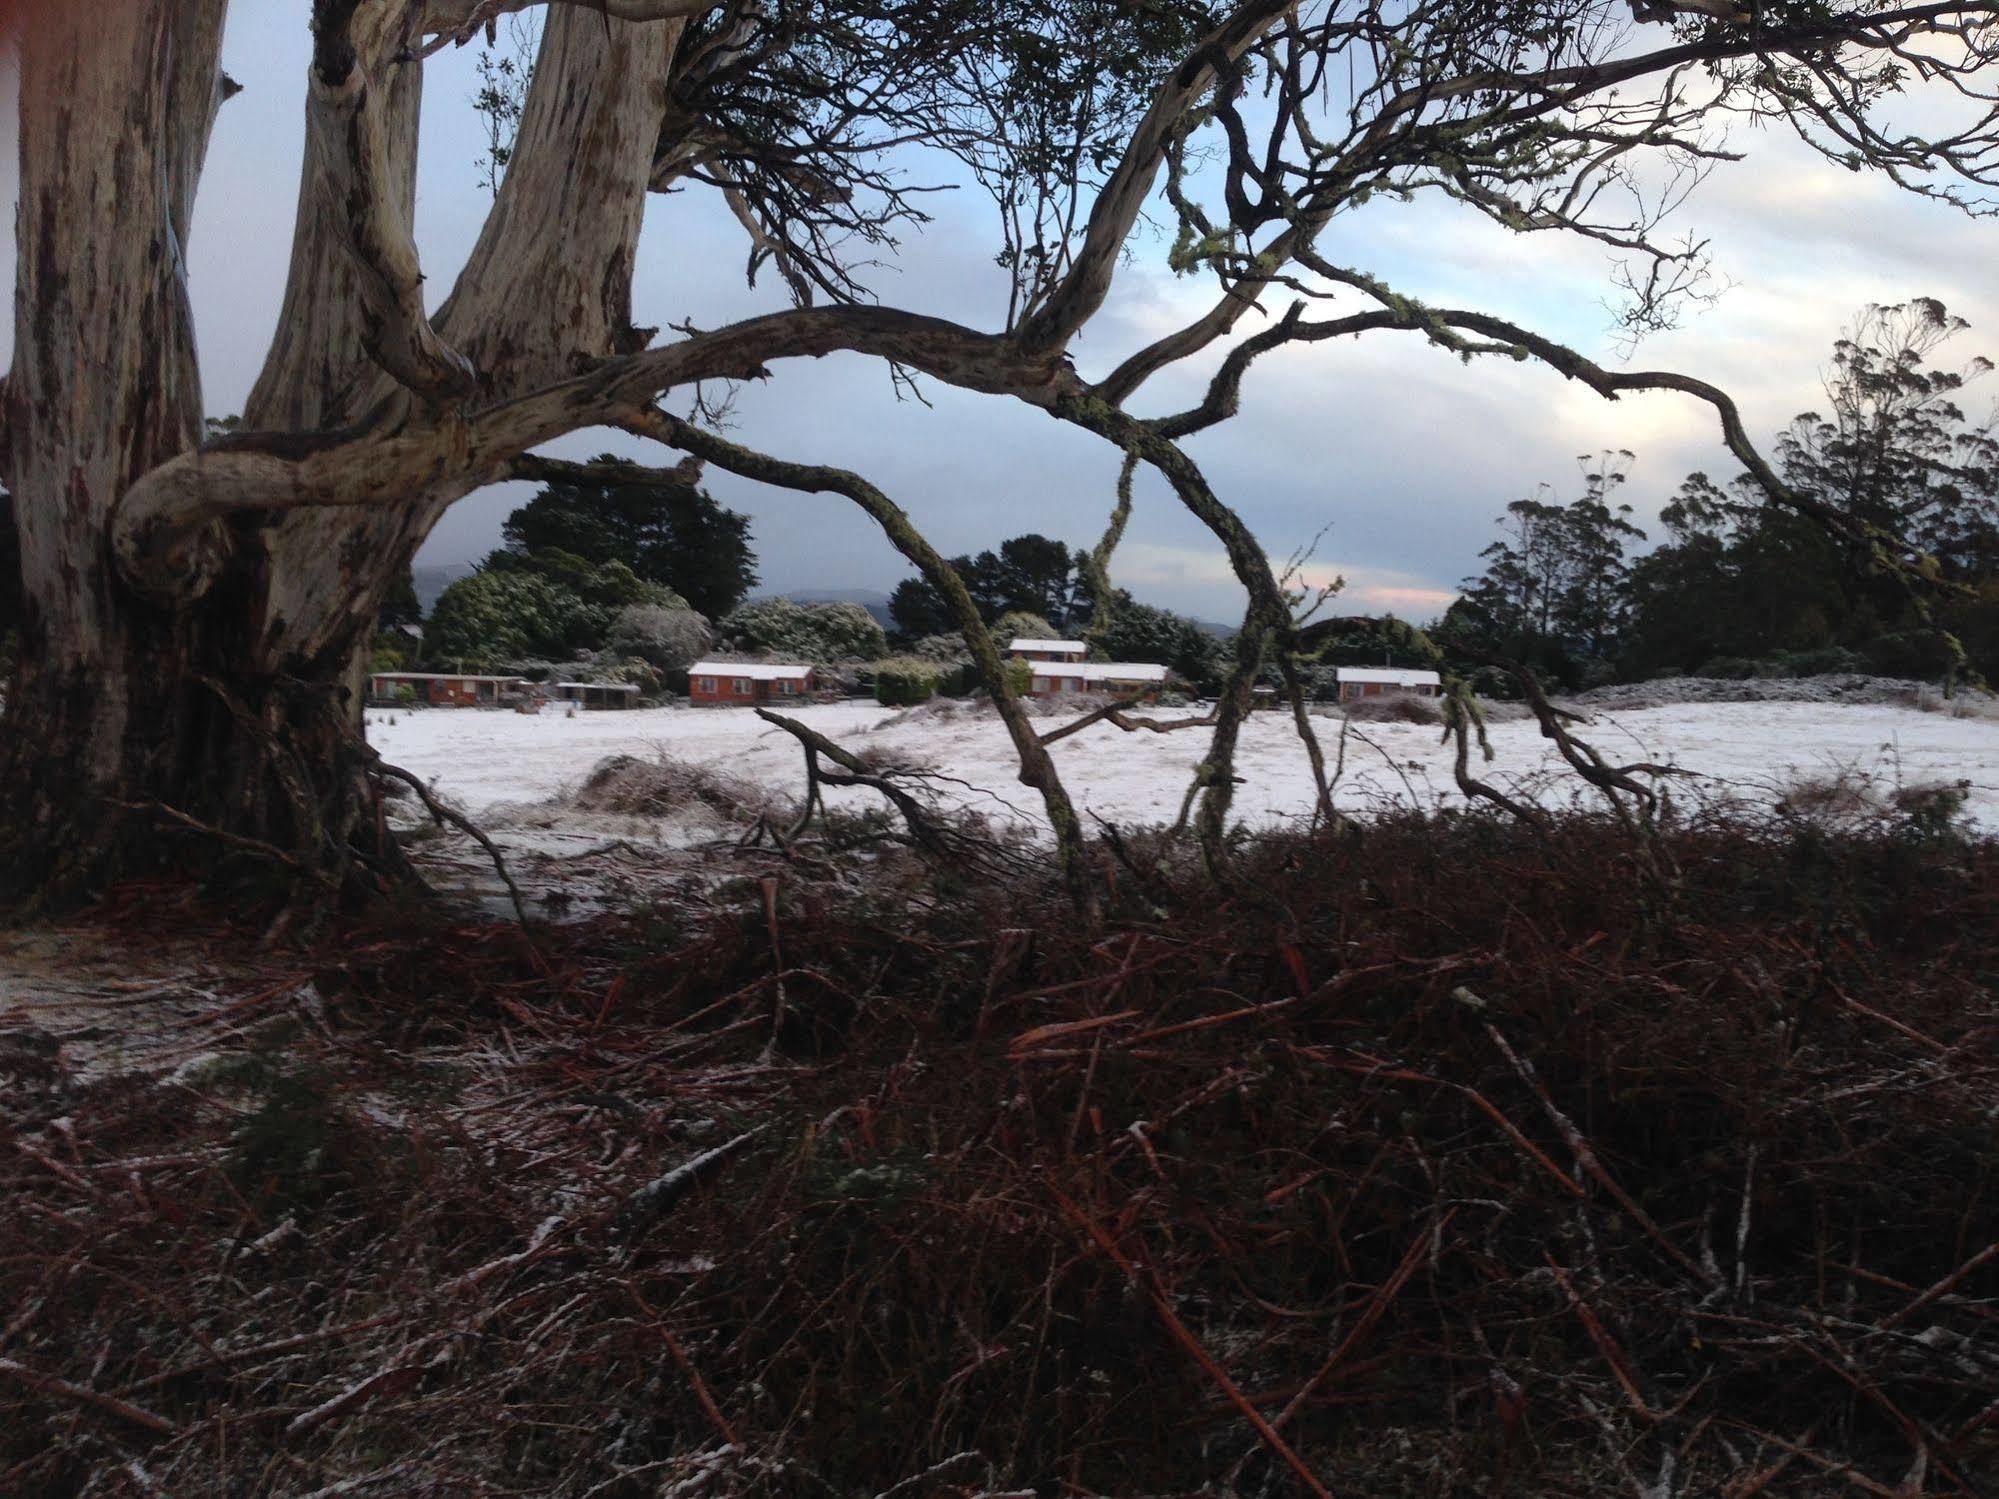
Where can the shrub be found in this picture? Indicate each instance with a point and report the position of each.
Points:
(1829, 660)
(1730, 668)
(661, 786)
(628, 669)
(904, 680)
(1018, 623)
(943, 648)
(387, 654)
(819, 633)
(1396, 707)
(550, 605)
(669, 640)
(1912, 653)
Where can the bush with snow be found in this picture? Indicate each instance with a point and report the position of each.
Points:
(1017, 624)
(816, 633)
(902, 681)
(669, 640)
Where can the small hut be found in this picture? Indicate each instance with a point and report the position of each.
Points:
(744, 684)
(447, 689)
(595, 694)
(1387, 681)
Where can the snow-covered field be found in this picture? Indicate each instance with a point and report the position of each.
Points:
(486, 761)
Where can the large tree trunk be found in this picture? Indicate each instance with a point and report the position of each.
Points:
(124, 706)
(180, 728)
(546, 289)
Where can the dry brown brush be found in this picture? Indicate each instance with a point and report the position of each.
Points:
(1434, 1160)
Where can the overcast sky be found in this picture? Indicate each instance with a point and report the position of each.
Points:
(1398, 452)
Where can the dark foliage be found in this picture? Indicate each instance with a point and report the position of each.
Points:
(674, 535)
(1740, 579)
(1029, 574)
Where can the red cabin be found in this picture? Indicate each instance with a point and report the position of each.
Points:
(445, 690)
(1385, 681)
(742, 684)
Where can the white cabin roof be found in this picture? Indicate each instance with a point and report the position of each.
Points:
(597, 686)
(1062, 647)
(755, 671)
(1103, 671)
(1394, 676)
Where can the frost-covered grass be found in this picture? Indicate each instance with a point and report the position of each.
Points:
(1755, 749)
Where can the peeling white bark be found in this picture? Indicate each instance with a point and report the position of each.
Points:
(316, 374)
(350, 127)
(115, 110)
(545, 290)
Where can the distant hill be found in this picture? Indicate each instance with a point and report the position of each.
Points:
(869, 599)
(431, 581)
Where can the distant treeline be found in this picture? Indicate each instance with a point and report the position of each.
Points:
(1741, 585)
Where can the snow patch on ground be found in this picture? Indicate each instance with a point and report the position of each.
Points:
(1833, 687)
(500, 765)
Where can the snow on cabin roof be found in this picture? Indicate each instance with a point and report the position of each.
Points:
(598, 686)
(1396, 676)
(1066, 647)
(1103, 671)
(756, 671)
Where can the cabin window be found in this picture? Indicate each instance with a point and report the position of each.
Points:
(744, 687)
(786, 688)
(706, 684)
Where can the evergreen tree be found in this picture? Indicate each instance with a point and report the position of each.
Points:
(918, 610)
(401, 605)
(1743, 581)
(1553, 593)
(1029, 574)
(675, 535)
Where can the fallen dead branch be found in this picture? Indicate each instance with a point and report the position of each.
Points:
(929, 830)
(1119, 715)
(62, 1389)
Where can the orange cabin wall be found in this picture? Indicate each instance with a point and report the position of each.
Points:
(724, 694)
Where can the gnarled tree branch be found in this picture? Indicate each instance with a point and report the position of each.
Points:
(1037, 769)
(532, 466)
(1083, 290)
(347, 126)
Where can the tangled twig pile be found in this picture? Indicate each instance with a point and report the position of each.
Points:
(1437, 1159)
